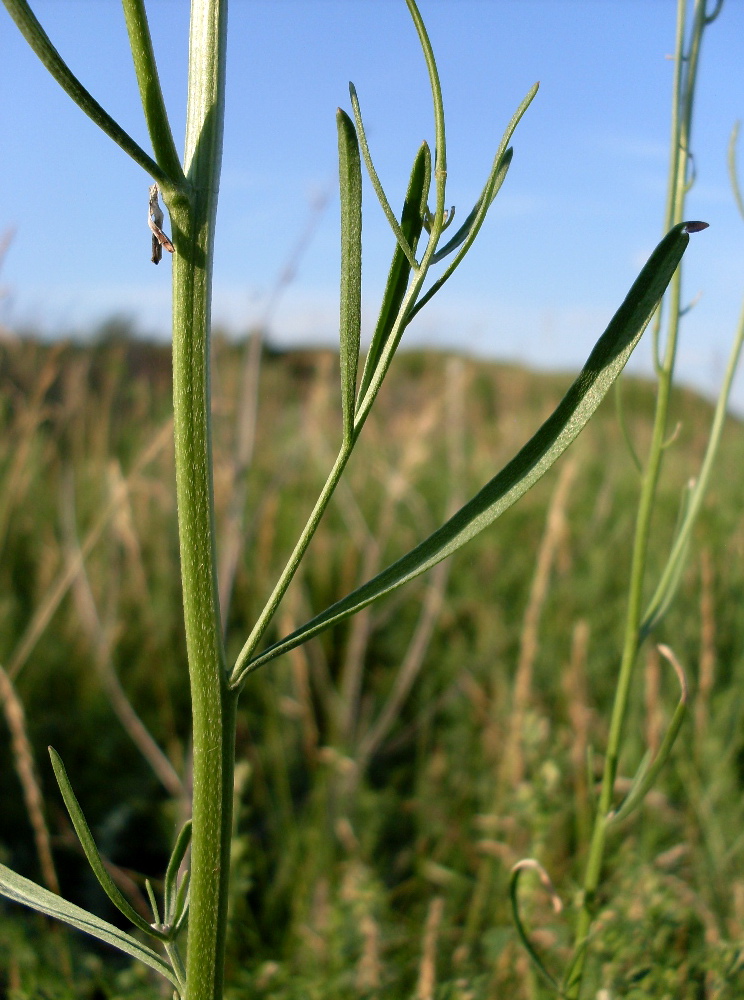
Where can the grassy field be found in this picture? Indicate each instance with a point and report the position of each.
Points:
(392, 771)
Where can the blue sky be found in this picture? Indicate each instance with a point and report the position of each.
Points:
(580, 211)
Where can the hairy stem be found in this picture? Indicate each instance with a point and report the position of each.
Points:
(213, 704)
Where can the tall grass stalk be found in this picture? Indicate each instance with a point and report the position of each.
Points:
(190, 191)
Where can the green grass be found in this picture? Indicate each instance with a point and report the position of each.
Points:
(340, 856)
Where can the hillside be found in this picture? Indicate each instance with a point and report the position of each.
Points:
(394, 769)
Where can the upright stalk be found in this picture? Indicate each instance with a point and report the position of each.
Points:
(213, 704)
(678, 185)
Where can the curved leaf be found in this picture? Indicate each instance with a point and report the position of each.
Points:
(516, 873)
(649, 768)
(733, 176)
(181, 906)
(171, 891)
(604, 364)
(667, 586)
(376, 183)
(493, 185)
(495, 179)
(27, 893)
(91, 851)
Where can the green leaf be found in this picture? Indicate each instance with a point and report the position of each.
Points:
(675, 565)
(181, 906)
(171, 893)
(376, 183)
(604, 364)
(27, 893)
(516, 874)
(491, 188)
(669, 581)
(350, 180)
(648, 770)
(489, 192)
(411, 224)
(151, 94)
(91, 851)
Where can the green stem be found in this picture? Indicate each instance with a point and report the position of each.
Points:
(242, 665)
(682, 102)
(240, 670)
(440, 144)
(622, 692)
(213, 704)
(151, 94)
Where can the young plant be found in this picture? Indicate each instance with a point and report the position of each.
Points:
(189, 189)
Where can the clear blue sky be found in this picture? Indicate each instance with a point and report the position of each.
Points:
(581, 208)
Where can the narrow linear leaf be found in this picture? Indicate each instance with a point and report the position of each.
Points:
(153, 902)
(181, 907)
(179, 969)
(604, 364)
(389, 344)
(22, 890)
(151, 94)
(493, 183)
(376, 183)
(411, 224)
(39, 41)
(91, 851)
(490, 191)
(524, 937)
(670, 577)
(675, 565)
(170, 893)
(649, 768)
(350, 181)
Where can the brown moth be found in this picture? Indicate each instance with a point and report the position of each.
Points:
(155, 222)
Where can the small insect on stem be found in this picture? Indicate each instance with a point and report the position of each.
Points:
(155, 222)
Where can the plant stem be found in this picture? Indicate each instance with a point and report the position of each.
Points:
(242, 664)
(213, 704)
(151, 94)
(678, 185)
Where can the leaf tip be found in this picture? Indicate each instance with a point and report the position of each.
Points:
(695, 227)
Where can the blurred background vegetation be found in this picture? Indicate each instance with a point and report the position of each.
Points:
(393, 770)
